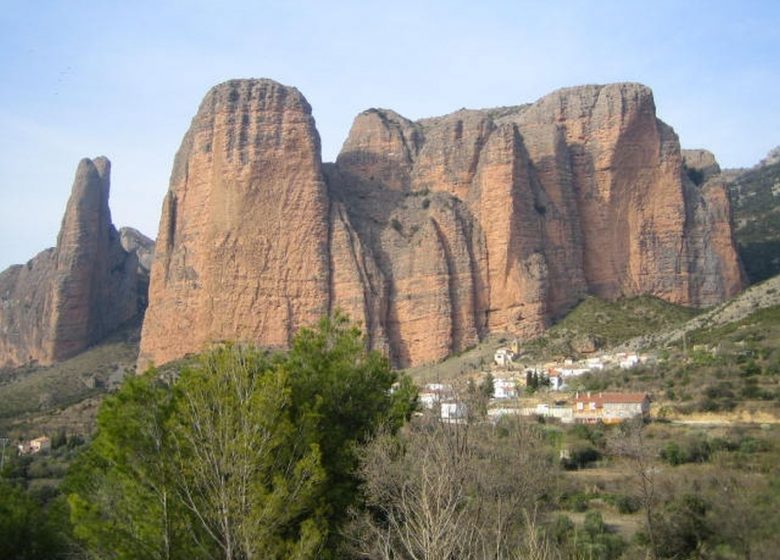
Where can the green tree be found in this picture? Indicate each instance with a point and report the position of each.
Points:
(243, 469)
(121, 491)
(488, 386)
(27, 530)
(247, 454)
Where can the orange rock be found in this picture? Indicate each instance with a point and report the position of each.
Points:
(72, 296)
(430, 233)
(242, 252)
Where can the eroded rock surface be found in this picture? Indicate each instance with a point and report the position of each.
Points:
(242, 252)
(69, 297)
(430, 233)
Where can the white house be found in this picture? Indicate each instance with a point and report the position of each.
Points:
(434, 393)
(504, 357)
(453, 412)
(556, 380)
(504, 389)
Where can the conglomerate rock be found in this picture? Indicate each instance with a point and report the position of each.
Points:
(432, 233)
(70, 297)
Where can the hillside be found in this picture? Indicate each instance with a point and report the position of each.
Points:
(65, 396)
(760, 296)
(597, 324)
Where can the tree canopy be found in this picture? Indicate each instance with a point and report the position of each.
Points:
(245, 454)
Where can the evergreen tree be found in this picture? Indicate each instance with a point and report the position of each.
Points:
(247, 455)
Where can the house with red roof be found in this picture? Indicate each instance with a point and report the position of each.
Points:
(609, 408)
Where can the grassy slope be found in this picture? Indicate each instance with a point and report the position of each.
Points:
(605, 323)
(32, 395)
(608, 324)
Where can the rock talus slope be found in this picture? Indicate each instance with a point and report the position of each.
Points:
(430, 233)
(71, 296)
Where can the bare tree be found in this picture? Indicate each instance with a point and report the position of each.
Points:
(443, 491)
(631, 444)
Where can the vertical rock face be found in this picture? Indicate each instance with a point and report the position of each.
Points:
(710, 239)
(243, 244)
(755, 198)
(70, 297)
(430, 233)
(583, 191)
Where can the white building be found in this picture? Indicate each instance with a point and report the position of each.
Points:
(434, 393)
(504, 357)
(556, 380)
(504, 389)
(629, 361)
(453, 412)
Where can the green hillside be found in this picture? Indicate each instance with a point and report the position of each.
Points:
(33, 390)
(596, 323)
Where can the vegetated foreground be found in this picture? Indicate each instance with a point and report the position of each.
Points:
(242, 453)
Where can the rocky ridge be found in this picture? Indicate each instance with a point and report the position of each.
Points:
(73, 295)
(755, 197)
(433, 233)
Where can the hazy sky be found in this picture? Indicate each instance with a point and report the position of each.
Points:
(124, 78)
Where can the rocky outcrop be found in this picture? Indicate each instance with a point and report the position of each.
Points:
(429, 233)
(700, 165)
(755, 197)
(72, 296)
(242, 251)
(133, 241)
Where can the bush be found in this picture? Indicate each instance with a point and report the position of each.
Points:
(627, 504)
(693, 450)
(580, 457)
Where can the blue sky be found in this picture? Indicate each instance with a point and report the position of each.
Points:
(123, 79)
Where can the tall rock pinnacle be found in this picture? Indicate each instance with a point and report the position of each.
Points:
(243, 246)
(70, 297)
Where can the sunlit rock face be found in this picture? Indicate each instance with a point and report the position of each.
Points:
(72, 296)
(430, 233)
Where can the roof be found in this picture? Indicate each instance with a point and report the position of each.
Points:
(612, 398)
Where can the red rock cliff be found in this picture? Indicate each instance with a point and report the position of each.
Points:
(70, 297)
(430, 233)
(242, 252)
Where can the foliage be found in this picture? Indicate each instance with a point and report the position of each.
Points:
(580, 456)
(682, 527)
(593, 540)
(246, 455)
(488, 387)
(29, 531)
(444, 491)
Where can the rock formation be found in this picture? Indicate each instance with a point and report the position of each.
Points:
(755, 198)
(243, 246)
(430, 233)
(70, 297)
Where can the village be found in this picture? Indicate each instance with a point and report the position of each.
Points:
(516, 386)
